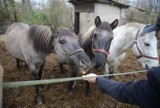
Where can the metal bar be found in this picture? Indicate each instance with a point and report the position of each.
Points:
(50, 81)
(1, 87)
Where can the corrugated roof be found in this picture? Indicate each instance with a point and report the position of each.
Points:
(111, 2)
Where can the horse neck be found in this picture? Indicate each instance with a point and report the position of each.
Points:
(124, 37)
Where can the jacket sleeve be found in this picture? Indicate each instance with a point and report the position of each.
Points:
(130, 92)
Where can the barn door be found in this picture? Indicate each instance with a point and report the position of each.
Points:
(77, 15)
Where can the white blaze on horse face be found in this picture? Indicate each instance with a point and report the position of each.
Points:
(148, 46)
(103, 40)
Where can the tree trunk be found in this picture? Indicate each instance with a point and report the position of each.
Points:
(26, 7)
(14, 10)
(6, 8)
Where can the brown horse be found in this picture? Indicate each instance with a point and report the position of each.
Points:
(33, 44)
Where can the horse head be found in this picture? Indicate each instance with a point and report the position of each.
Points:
(69, 51)
(145, 49)
(102, 36)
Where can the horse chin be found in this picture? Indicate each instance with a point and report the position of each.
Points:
(99, 68)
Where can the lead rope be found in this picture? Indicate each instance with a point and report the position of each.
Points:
(67, 54)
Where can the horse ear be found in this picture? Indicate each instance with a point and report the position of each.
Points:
(114, 24)
(54, 31)
(97, 21)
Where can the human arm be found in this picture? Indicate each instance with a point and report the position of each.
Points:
(140, 93)
(111, 87)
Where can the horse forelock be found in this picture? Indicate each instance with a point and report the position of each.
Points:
(105, 26)
(41, 38)
(64, 32)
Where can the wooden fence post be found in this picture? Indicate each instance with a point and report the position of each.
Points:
(1, 86)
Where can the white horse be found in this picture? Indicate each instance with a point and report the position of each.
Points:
(143, 46)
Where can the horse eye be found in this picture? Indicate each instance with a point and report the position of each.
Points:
(61, 41)
(146, 44)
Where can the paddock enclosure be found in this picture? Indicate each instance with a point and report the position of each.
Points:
(56, 95)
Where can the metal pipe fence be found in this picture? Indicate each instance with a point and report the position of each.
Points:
(51, 81)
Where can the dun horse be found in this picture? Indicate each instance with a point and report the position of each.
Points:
(34, 43)
(22, 27)
(143, 45)
(96, 41)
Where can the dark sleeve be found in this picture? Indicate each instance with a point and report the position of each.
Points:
(130, 92)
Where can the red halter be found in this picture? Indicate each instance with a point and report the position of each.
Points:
(100, 50)
(141, 55)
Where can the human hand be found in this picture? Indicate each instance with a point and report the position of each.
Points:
(92, 77)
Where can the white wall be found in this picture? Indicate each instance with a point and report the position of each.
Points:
(107, 12)
(86, 21)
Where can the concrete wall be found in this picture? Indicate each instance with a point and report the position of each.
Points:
(106, 12)
(109, 13)
(86, 21)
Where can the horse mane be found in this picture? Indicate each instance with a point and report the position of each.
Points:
(136, 25)
(41, 38)
(105, 26)
(66, 32)
(86, 37)
(125, 30)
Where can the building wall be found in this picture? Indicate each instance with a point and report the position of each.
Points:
(106, 12)
(86, 21)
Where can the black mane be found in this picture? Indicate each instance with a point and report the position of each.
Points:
(41, 38)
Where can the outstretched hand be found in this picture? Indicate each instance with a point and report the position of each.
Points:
(91, 77)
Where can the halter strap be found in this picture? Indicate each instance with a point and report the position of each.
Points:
(154, 58)
(141, 55)
(73, 52)
(69, 53)
(101, 50)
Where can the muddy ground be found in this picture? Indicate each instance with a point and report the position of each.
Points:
(56, 95)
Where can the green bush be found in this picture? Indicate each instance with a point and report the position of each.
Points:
(36, 18)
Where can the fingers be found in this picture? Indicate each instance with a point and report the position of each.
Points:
(90, 77)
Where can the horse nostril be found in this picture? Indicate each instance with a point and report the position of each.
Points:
(82, 62)
(97, 66)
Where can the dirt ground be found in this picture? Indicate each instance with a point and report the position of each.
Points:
(56, 95)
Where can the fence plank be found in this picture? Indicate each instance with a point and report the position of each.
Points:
(1, 87)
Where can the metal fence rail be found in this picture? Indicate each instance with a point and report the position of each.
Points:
(1, 87)
(50, 81)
